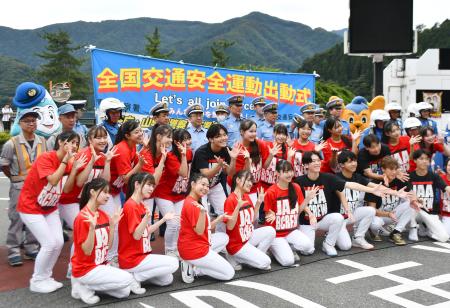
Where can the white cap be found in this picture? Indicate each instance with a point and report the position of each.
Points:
(379, 114)
(424, 106)
(393, 106)
(411, 122)
(111, 103)
(412, 108)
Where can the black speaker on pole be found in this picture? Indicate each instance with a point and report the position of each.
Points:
(381, 26)
(444, 58)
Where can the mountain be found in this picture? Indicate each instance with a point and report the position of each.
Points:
(260, 39)
(12, 73)
(340, 32)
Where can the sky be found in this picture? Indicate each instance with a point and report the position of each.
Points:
(327, 14)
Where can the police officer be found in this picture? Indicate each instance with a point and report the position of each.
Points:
(395, 113)
(292, 129)
(160, 114)
(79, 106)
(335, 106)
(317, 130)
(194, 127)
(424, 110)
(308, 112)
(265, 131)
(67, 117)
(222, 112)
(18, 154)
(112, 108)
(258, 104)
(233, 121)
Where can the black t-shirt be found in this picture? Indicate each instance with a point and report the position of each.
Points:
(425, 188)
(366, 160)
(204, 159)
(355, 198)
(326, 201)
(389, 202)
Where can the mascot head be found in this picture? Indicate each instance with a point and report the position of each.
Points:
(35, 97)
(357, 113)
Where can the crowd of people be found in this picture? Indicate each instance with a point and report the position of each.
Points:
(242, 192)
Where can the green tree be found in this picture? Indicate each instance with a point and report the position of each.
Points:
(218, 51)
(153, 45)
(62, 65)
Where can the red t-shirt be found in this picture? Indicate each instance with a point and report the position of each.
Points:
(172, 186)
(243, 229)
(437, 147)
(277, 200)
(192, 246)
(148, 165)
(401, 152)
(121, 164)
(131, 251)
(97, 170)
(37, 195)
(299, 168)
(327, 154)
(255, 169)
(269, 175)
(445, 198)
(81, 263)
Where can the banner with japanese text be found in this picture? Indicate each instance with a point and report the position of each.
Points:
(140, 82)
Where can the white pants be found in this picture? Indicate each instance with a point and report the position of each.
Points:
(446, 223)
(403, 212)
(216, 197)
(47, 230)
(281, 247)
(363, 216)
(173, 225)
(331, 223)
(254, 251)
(213, 265)
(68, 212)
(109, 280)
(434, 227)
(110, 207)
(156, 269)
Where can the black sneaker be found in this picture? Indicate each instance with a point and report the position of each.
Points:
(15, 261)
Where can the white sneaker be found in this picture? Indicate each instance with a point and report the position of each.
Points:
(136, 288)
(57, 284)
(296, 256)
(412, 236)
(187, 272)
(361, 242)
(328, 249)
(79, 291)
(233, 262)
(42, 286)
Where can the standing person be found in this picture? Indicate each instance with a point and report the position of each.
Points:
(68, 118)
(246, 245)
(369, 158)
(113, 109)
(308, 112)
(283, 202)
(425, 110)
(195, 128)
(335, 107)
(38, 210)
(317, 129)
(222, 112)
(292, 129)
(199, 248)
(7, 113)
(160, 115)
(395, 113)
(135, 251)
(258, 105)
(265, 129)
(79, 106)
(93, 234)
(233, 122)
(425, 184)
(171, 190)
(215, 161)
(125, 163)
(18, 155)
(445, 198)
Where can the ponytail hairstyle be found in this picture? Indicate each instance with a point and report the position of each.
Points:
(281, 129)
(244, 175)
(66, 137)
(388, 127)
(163, 130)
(331, 123)
(179, 135)
(97, 184)
(125, 129)
(142, 178)
(96, 131)
(285, 166)
(254, 150)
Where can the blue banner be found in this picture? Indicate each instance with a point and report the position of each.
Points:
(140, 82)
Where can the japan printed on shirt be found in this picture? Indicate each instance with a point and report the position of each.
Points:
(299, 168)
(246, 216)
(269, 175)
(181, 185)
(215, 179)
(146, 245)
(101, 243)
(318, 204)
(286, 218)
(402, 158)
(355, 199)
(424, 191)
(50, 195)
(389, 202)
(256, 171)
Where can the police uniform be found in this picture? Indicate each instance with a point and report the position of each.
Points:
(224, 109)
(18, 154)
(429, 122)
(81, 129)
(316, 132)
(259, 101)
(317, 129)
(333, 102)
(159, 107)
(198, 134)
(265, 130)
(232, 123)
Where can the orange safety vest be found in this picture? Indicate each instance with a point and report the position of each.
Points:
(23, 158)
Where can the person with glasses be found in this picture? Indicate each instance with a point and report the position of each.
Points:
(18, 154)
(265, 130)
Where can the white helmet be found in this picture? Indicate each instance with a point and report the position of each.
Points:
(411, 122)
(412, 109)
(379, 114)
(111, 103)
(393, 106)
(424, 106)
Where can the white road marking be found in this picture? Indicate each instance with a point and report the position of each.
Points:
(446, 248)
(190, 298)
